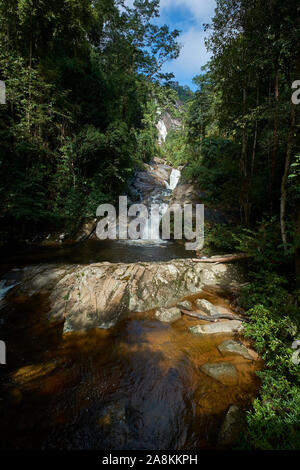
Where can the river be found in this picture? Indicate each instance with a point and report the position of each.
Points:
(137, 385)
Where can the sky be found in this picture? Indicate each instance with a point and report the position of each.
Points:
(187, 16)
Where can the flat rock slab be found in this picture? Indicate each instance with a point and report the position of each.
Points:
(234, 347)
(223, 372)
(168, 315)
(97, 295)
(219, 328)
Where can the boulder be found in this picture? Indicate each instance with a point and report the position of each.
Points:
(185, 305)
(234, 347)
(206, 307)
(223, 372)
(218, 328)
(232, 426)
(168, 315)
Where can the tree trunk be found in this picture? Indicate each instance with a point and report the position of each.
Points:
(275, 138)
(283, 198)
(244, 169)
(297, 249)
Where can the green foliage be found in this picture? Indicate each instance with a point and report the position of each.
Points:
(221, 238)
(274, 422)
(214, 169)
(184, 92)
(271, 305)
(83, 87)
(174, 149)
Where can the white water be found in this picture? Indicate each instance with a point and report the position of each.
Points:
(174, 178)
(162, 132)
(151, 230)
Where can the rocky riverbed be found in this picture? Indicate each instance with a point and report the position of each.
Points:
(104, 355)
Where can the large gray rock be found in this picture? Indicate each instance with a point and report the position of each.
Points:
(232, 426)
(96, 295)
(184, 304)
(223, 372)
(234, 347)
(206, 307)
(150, 181)
(168, 315)
(218, 328)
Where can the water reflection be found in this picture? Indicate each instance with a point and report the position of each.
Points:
(136, 386)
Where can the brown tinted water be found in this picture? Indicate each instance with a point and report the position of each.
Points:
(136, 386)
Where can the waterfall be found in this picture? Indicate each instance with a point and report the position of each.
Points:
(162, 132)
(174, 178)
(157, 204)
(152, 227)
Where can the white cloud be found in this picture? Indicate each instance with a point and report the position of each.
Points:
(202, 10)
(193, 54)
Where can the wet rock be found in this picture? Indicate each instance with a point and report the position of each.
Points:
(30, 376)
(168, 315)
(232, 426)
(222, 327)
(185, 304)
(223, 372)
(234, 347)
(88, 227)
(206, 307)
(187, 193)
(150, 181)
(97, 295)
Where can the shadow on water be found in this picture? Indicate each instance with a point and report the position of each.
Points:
(93, 251)
(136, 386)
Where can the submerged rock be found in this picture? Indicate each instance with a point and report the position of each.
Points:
(206, 307)
(223, 372)
(168, 315)
(234, 347)
(231, 427)
(228, 326)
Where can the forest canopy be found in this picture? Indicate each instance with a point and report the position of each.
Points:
(83, 80)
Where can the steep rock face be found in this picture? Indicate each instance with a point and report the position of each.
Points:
(190, 193)
(96, 295)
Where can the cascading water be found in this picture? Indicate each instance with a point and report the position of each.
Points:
(157, 209)
(174, 178)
